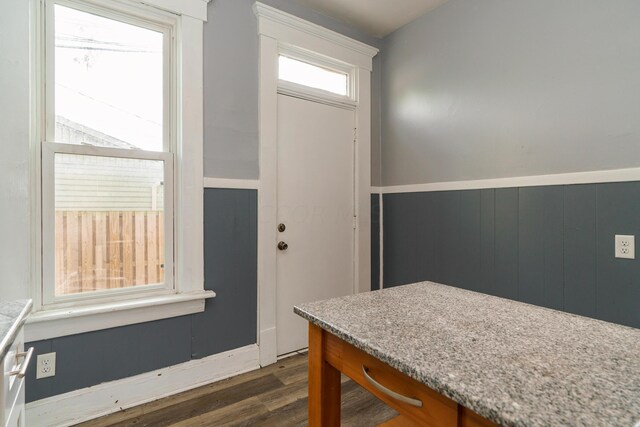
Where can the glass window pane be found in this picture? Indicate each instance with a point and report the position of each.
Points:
(307, 74)
(108, 82)
(109, 223)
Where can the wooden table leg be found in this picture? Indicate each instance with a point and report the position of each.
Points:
(324, 383)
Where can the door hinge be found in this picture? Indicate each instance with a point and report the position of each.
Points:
(355, 135)
(355, 222)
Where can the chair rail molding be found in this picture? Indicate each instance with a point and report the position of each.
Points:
(572, 178)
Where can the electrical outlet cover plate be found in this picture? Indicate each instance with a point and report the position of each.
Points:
(46, 366)
(625, 247)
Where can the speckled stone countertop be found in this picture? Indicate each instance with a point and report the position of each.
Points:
(12, 316)
(513, 363)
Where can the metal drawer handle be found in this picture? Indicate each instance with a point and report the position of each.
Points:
(22, 371)
(390, 393)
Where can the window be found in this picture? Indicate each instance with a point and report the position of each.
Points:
(307, 74)
(107, 155)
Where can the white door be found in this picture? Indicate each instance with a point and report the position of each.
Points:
(316, 205)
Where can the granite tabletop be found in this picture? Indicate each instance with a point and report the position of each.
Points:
(12, 316)
(513, 363)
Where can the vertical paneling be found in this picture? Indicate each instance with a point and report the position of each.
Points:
(468, 253)
(618, 280)
(540, 242)
(155, 337)
(404, 249)
(450, 242)
(554, 248)
(375, 241)
(580, 249)
(230, 269)
(486, 278)
(551, 246)
(430, 234)
(506, 243)
(87, 359)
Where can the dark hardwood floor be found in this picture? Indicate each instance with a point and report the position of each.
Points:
(272, 396)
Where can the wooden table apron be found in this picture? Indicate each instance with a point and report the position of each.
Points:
(329, 356)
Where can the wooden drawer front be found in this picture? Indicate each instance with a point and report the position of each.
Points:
(12, 387)
(436, 409)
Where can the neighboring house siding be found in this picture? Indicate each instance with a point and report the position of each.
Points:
(88, 183)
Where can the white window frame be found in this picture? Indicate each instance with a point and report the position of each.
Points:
(183, 159)
(321, 61)
(50, 148)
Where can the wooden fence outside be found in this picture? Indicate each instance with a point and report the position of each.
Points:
(104, 250)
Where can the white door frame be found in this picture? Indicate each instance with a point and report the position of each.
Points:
(277, 31)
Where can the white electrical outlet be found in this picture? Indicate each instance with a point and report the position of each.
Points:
(625, 247)
(46, 366)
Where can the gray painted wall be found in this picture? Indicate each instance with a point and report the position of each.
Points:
(549, 246)
(231, 85)
(230, 234)
(499, 88)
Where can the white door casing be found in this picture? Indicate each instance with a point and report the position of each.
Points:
(316, 205)
(281, 31)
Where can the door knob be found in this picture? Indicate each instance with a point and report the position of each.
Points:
(281, 227)
(282, 246)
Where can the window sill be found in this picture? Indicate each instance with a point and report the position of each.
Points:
(70, 321)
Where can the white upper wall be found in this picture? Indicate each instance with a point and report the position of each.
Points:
(14, 158)
(499, 88)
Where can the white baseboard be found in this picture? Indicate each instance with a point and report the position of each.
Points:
(593, 177)
(92, 402)
(242, 184)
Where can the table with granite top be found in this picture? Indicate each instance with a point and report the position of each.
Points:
(13, 314)
(440, 355)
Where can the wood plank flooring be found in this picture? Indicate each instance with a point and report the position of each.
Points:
(272, 396)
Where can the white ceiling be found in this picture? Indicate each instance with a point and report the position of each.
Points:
(375, 17)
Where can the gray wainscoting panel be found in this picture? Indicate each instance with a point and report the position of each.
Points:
(229, 321)
(375, 242)
(540, 242)
(617, 280)
(580, 249)
(469, 235)
(92, 358)
(487, 276)
(551, 246)
(403, 222)
(506, 243)
(231, 270)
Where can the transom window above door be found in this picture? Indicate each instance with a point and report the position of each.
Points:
(315, 76)
(306, 74)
